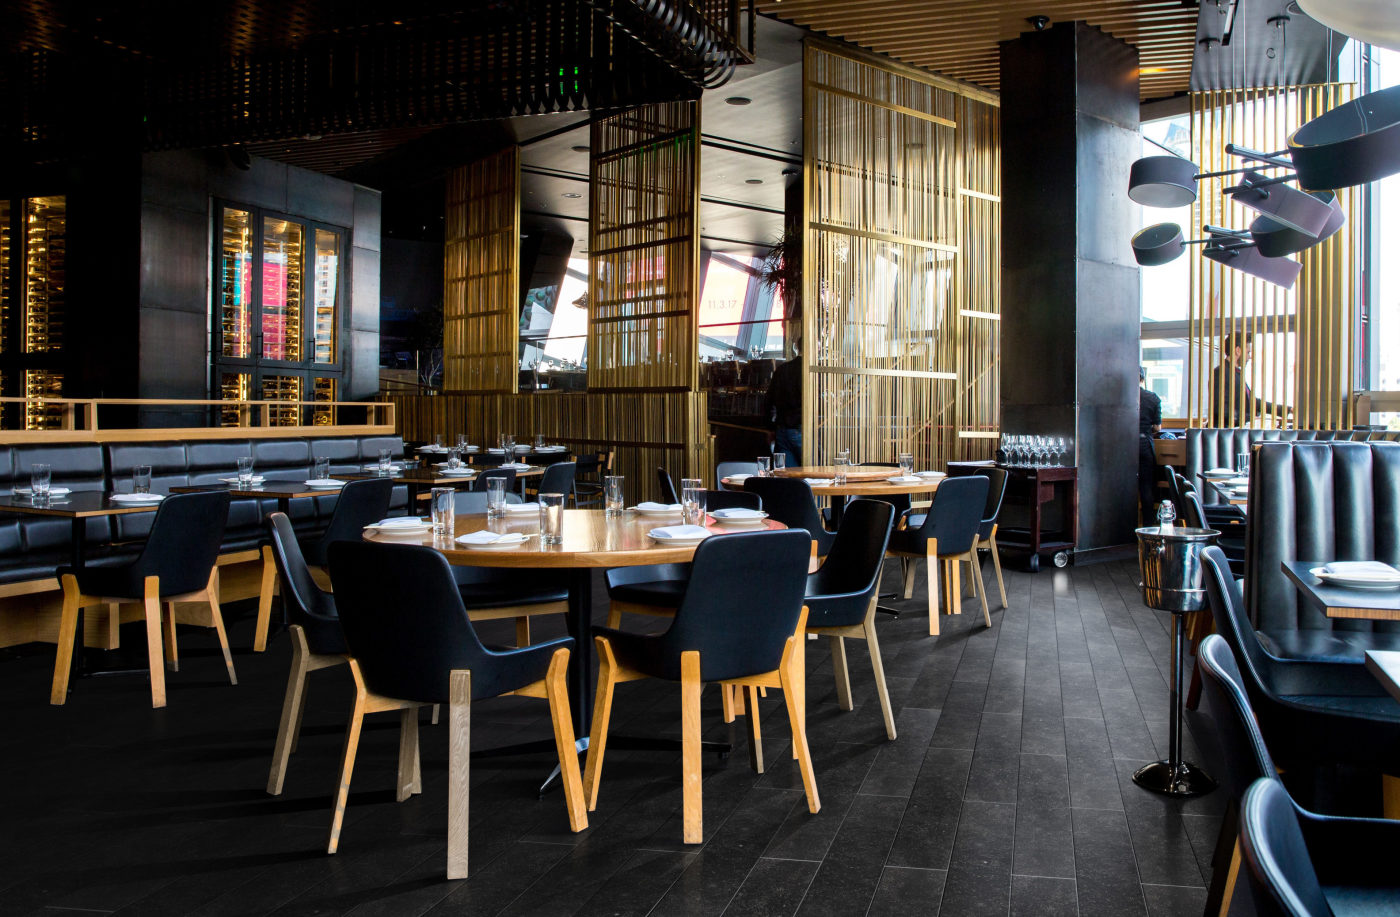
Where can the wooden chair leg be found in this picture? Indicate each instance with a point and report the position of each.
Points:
(931, 562)
(726, 699)
(692, 818)
(979, 588)
(906, 566)
(741, 707)
(436, 711)
(296, 723)
(954, 589)
(409, 774)
(172, 649)
(614, 618)
(602, 712)
(459, 771)
(290, 724)
(154, 651)
(67, 638)
(265, 593)
(1390, 797)
(842, 673)
(877, 663)
(755, 731)
(213, 596)
(789, 674)
(522, 631)
(556, 688)
(347, 763)
(991, 543)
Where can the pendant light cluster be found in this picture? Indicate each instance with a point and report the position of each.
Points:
(1354, 143)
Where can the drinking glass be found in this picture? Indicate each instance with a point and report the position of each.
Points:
(321, 469)
(765, 466)
(552, 518)
(508, 446)
(840, 464)
(462, 443)
(454, 458)
(386, 462)
(1061, 450)
(245, 470)
(779, 461)
(539, 440)
(906, 463)
(141, 479)
(495, 496)
(444, 508)
(437, 441)
(693, 501)
(612, 495)
(1242, 464)
(39, 476)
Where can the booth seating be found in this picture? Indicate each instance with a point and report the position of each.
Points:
(33, 547)
(1217, 447)
(1324, 502)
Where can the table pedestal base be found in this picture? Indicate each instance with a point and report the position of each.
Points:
(1184, 779)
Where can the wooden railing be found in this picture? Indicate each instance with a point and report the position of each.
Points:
(79, 419)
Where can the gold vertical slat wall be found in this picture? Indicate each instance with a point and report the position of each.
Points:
(644, 249)
(481, 276)
(902, 272)
(1303, 338)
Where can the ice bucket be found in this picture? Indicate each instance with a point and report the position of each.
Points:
(1170, 560)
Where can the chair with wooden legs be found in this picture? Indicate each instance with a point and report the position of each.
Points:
(746, 638)
(317, 640)
(411, 645)
(843, 592)
(945, 534)
(589, 470)
(790, 501)
(987, 530)
(176, 564)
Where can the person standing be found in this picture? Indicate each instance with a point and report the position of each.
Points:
(783, 408)
(1232, 402)
(1149, 425)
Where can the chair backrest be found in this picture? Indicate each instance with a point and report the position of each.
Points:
(1195, 514)
(955, 513)
(1323, 501)
(1244, 756)
(1173, 487)
(1276, 857)
(857, 553)
(790, 501)
(405, 623)
(666, 487)
(183, 544)
(1227, 609)
(558, 478)
(306, 603)
(473, 502)
(739, 630)
(732, 499)
(996, 492)
(479, 483)
(359, 503)
(725, 469)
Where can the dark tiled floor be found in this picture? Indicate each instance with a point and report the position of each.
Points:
(1008, 792)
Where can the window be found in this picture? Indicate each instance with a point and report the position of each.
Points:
(739, 315)
(276, 315)
(1380, 321)
(554, 332)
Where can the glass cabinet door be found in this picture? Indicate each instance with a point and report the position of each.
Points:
(281, 290)
(327, 268)
(235, 284)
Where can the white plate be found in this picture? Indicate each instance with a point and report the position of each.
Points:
(324, 484)
(137, 498)
(687, 540)
(456, 472)
(901, 479)
(256, 479)
(653, 511)
(432, 448)
(740, 520)
(1220, 473)
(53, 491)
(737, 478)
(513, 542)
(401, 531)
(930, 474)
(1334, 579)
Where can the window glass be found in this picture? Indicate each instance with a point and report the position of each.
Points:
(740, 316)
(1166, 289)
(1385, 242)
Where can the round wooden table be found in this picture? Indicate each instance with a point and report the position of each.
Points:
(861, 481)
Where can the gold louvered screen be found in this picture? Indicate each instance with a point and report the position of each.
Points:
(644, 249)
(902, 275)
(481, 277)
(1303, 338)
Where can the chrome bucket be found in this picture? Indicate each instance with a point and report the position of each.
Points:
(1170, 561)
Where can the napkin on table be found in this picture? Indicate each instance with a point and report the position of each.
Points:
(679, 532)
(817, 481)
(398, 522)
(737, 512)
(1363, 570)
(522, 507)
(651, 507)
(484, 537)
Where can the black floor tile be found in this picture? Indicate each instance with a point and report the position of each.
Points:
(1039, 896)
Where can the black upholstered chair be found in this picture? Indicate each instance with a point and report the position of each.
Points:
(412, 644)
(1311, 713)
(749, 638)
(946, 533)
(1232, 546)
(492, 593)
(479, 482)
(589, 470)
(666, 488)
(987, 529)
(842, 594)
(358, 504)
(317, 640)
(473, 502)
(732, 499)
(790, 501)
(1305, 865)
(557, 479)
(176, 564)
(1319, 501)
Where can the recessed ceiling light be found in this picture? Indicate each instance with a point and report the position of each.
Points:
(753, 181)
(579, 148)
(738, 100)
(572, 195)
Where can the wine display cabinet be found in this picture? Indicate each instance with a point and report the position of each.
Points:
(33, 305)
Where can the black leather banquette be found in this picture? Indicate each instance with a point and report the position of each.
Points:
(1216, 447)
(1323, 502)
(31, 547)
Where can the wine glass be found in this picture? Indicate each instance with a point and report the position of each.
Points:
(1060, 449)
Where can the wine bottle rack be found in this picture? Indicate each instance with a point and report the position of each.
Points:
(282, 388)
(41, 415)
(235, 285)
(45, 250)
(233, 387)
(323, 393)
(327, 273)
(281, 290)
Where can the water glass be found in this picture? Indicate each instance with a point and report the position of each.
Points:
(39, 476)
(612, 495)
(1242, 464)
(444, 508)
(539, 440)
(508, 446)
(495, 496)
(454, 458)
(386, 461)
(551, 518)
(693, 501)
(906, 463)
(321, 469)
(141, 479)
(462, 443)
(437, 440)
(779, 461)
(245, 470)
(765, 465)
(840, 464)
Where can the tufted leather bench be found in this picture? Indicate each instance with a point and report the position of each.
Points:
(1216, 447)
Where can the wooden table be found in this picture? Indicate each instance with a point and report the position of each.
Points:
(417, 479)
(592, 541)
(1227, 492)
(861, 481)
(1342, 601)
(284, 492)
(79, 507)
